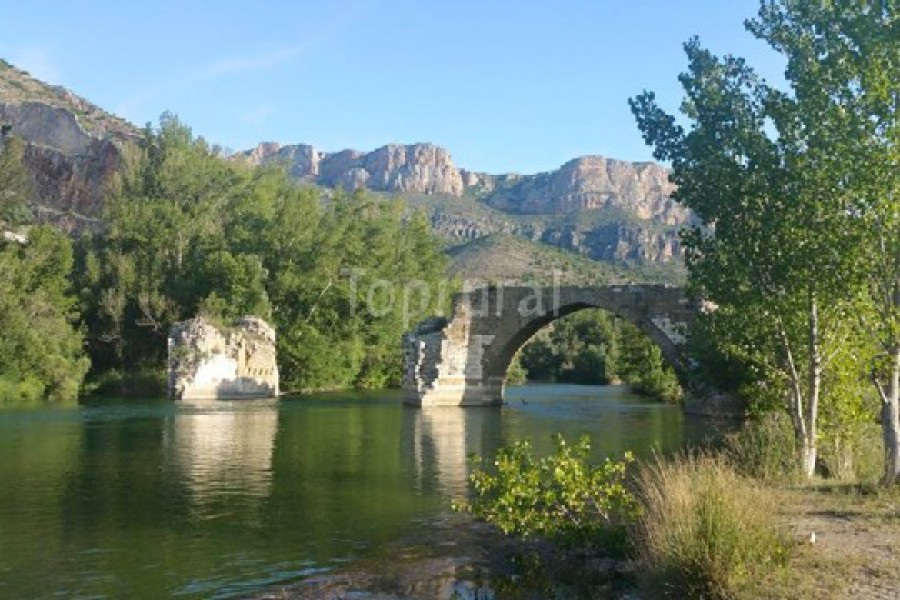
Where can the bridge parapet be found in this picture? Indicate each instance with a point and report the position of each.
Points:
(463, 361)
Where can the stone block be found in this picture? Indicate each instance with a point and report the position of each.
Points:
(208, 361)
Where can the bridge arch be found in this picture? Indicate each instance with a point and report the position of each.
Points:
(463, 360)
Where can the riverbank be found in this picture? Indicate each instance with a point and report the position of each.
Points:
(457, 557)
(856, 540)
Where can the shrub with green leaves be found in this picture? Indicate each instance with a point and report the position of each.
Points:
(561, 497)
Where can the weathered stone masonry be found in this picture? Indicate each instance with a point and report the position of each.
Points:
(463, 361)
(233, 362)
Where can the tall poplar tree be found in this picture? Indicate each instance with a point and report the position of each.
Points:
(777, 246)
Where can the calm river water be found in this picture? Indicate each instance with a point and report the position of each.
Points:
(157, 499)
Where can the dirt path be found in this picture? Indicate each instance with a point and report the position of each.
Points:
(856, 553)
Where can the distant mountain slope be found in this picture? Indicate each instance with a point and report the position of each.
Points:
(504, 257)
(73, 146)
(603, 234)
(602, 209)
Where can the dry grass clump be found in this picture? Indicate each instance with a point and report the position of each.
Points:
(706, 531)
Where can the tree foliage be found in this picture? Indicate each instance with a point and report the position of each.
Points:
(843, 64)
(562, 496)
(43, 357)
(191, 233)
(15, 186)
(778, 242)
(593, 347)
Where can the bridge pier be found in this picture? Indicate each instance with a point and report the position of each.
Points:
(462, 361)
(444, 364)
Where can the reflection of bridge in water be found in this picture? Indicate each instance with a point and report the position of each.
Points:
(463, 361)
(443, 438)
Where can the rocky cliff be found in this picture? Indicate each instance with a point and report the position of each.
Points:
(73, 147)
(592, 182)
(638, 193)
(416, 168)
(588, 182)
(601, 208)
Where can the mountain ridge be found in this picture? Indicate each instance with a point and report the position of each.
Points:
(600, 208)
(584, 182)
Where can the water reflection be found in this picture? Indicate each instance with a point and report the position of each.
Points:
(155, 499)
(220, 450)
(443, 438)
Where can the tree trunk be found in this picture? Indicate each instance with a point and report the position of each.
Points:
(807, 454)
(813, 390)
(890, 420)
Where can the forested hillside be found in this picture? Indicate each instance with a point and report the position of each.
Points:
(188, 233)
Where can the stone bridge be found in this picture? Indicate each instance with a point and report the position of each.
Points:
(463, 361)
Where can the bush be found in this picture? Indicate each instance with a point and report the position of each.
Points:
(516, 373)
(764, 448)
(855, 456)
(561, 497)
(146, 383)
(705, 531)
(15, 391)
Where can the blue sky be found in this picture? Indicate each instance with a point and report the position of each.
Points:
(505, 86)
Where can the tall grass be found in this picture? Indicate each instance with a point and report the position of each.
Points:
(706, 531)
(765, 448)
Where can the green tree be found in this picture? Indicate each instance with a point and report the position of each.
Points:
(771, 251)
(844, 68)
(15, 185)
(341, 276)
(43, 356)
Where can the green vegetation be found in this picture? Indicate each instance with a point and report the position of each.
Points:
(592, 347)
(516, 256)
(44, 358)
(705, 531)
(189, 233)
(561, 497)
(509, 258)
(797, 194)
(695, 527)
(15, 186)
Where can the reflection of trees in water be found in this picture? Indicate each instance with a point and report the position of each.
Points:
(37, 466)
(222, 450)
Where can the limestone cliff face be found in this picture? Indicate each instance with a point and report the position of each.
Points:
(638, 192)
(236, 362)
(73, 147)
(618, 242)
(416, 168)
(594, 182)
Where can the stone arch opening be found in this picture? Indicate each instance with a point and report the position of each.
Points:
(463, 360)
(499, 364)
(611, 336)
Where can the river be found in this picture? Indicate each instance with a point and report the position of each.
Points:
(116, 499)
